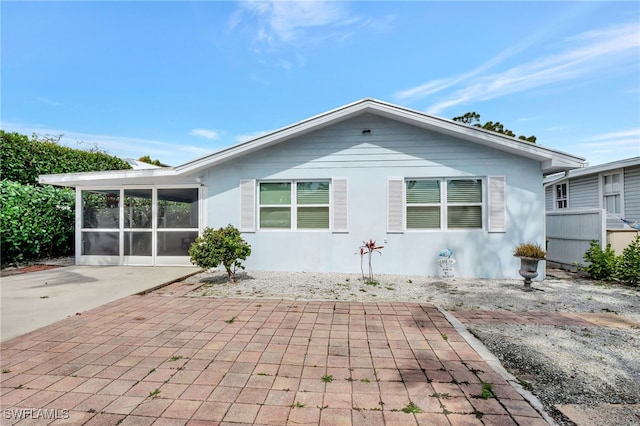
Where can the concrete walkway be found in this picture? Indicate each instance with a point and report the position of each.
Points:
(166, 359)
(33, 300)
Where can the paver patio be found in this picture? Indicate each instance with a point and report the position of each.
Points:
(166, 359)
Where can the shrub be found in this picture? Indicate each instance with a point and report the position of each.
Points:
(629, 264)
(220, 246)
(36, 222)
(603, 264)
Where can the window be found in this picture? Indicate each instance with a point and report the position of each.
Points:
(612, 188)
(423, 204)
(294, 205)
(561, 196)
(464, 203)
(426, 210)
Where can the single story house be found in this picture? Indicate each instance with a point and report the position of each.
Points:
(590, 204)
(306, 196)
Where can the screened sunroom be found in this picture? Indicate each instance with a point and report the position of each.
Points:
(136, 225)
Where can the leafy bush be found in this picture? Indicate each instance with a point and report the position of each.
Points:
(35, 221)
(24, 159)
(220, 246)
(603, 264)
(629, 264)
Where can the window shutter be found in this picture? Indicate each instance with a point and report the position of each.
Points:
(247, 205)
(395, 205)
(497, 204)
(340, 205)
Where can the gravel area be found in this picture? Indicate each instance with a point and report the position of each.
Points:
(589, 366)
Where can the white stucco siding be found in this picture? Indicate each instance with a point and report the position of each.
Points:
(367, 160)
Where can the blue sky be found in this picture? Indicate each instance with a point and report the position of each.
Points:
(179, 80)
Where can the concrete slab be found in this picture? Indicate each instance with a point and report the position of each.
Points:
(34, 300)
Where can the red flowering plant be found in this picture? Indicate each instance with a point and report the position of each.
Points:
(368, 248)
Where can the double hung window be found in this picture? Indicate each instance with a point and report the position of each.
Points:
(444, 203)
(612, 188)
(561, 196)
(294, 205)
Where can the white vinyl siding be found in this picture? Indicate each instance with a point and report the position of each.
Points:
(497, 204)
(632, 193)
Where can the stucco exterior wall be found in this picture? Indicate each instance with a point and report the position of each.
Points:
(367, 160)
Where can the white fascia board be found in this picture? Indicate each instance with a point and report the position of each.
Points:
(89, 178)
(614, 165)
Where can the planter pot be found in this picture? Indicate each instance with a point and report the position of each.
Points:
(528, 271)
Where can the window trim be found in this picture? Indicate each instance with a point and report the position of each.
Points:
(601, 178)
(566, 196)
(293, 205)
(444, 204)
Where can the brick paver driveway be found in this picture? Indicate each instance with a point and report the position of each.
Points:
(166, 359)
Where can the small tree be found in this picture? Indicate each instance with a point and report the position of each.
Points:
(220, 246)
(368, 248)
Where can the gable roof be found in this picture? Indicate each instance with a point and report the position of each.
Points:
(552, 161)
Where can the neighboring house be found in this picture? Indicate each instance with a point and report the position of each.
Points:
(137, 164)
(589, 204)
(307, 195)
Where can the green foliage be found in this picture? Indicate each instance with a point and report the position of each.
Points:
(603, 264)
(36, 222)
(222, 246)
(629, 264)
(24, 159)
(473, 119)
(147, 159)
(529, 250)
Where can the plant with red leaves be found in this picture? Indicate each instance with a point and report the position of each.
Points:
(368, 248)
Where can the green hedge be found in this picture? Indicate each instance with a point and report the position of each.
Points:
(24, 159)
(36, 222)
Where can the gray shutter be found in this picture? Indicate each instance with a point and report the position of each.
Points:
(340, 205)
(497, 204)
(395, 205)
(247, 205)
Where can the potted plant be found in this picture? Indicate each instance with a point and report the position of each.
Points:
(530, 254)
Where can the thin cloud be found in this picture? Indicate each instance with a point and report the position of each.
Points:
(121, 146)
(246, 138)
(616, 135)
(585, 54)
(209, 134)
(48, 101)
(280, 21)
